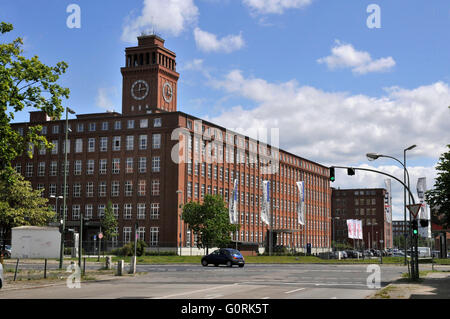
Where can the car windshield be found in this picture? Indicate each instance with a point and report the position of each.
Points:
(235, 252)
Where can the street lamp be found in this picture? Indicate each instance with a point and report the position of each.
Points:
(56, 203)
(180, 227)
(61, 253)
(374, 156)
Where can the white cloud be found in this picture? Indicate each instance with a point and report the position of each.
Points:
(338, 128)
(105, 97)
(171, 17)
(345, 56)
(208, 42)
(275, 6)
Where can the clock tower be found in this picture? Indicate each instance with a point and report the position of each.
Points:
(149, 78)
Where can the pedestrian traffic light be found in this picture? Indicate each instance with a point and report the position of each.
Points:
(332, 178)
(350, 171)
(415, 227)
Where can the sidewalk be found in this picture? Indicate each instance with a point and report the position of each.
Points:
(436, 285)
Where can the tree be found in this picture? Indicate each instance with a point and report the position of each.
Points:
(439, 197)
(109, 222)
(25, 83)
(210, 221)
(20, 205)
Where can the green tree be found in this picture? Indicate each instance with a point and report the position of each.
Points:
(109, 223)
(25, 83)
(439, 197)
(210, 221)
(20, 205)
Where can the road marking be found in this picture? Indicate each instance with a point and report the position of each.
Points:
(289, 292)
(266, 298)
(195, 291)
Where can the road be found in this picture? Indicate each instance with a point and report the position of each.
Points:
(254, 281)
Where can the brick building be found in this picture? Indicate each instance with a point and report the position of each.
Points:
(367, 205)
(129, 158)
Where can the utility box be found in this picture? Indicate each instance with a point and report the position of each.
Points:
(35, 242)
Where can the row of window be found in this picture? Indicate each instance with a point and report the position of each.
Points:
(77, 190)
(127, 213)
(364, 222)
(358, 211)
(92, 127)
(90, 167)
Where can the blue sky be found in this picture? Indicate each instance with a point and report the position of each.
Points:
(303, 61)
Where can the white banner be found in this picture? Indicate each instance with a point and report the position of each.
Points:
(423, 214)
(350, 228)
(301, 203)
(233, 205)
(354, 227)
(359, 232)
(388, 201)
(266, 202)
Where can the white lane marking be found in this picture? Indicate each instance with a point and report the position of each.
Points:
(212, 296)
(289, 292)
(195, 291)
(266, 298)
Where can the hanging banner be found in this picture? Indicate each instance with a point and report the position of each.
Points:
(233, 205)
(423, 214)
(359, 230)
(350, 228)
(266, 202)
(388, 201)
(301, 203)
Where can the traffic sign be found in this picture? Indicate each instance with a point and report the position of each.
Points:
(414, 209)
(100, 236)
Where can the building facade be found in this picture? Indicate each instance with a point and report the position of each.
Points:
(367, 205)
(151, 159)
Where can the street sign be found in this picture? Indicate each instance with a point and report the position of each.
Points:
(100, 236)
(414, 209)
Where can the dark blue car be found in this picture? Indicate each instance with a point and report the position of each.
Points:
(224, 256)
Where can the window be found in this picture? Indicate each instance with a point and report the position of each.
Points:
(128, 188)
(102, 189)
(116, 165)
(154, 211)
(115, 208)
(42, 149)
(142, 166)
(141, 211)
(127, 211)
(115, 188)
(157, 122)
(127, 234)
(52, 190)
(29, 170)
(130, 143)
(78, 145)
(129, 165)
(44, 130)
(117, 125)
(103, 144)
(156, 164)
(116, 143)
(154, 236)
(55, 129)
(143, 123)
(141, 187)
(142, 142)
(91, 145)
(75, 212)
(104, 126)
(141, 233)
(102, 167)
(80, 127)
(55, 147)
(156, 141)
(88, 211)
(41, 169)
(130, 124)
(155, 187)
(90, 167)
(76, 190)
(89, 189)
(91, 127)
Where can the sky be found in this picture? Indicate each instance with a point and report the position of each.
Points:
(338, 79)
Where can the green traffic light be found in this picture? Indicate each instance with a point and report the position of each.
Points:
(332, 179)
(415, 231)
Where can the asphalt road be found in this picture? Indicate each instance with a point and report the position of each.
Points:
(254, 281)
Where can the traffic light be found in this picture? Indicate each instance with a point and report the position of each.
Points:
(424, 223)
(332, 178)
(415, 227)
(350, 171)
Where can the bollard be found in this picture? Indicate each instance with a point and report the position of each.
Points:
(108, 263)
(132, 265)
(17, 265)
(120, 268)
(84, 266)
(45, 269)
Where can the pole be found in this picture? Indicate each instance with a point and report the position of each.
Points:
(99, 244)
(80, 245)
(61, 253)
(404, 201)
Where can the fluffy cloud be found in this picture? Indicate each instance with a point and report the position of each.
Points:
(345, 56)
(275, 6)
(338, 128)
(105, 97)
(208, 42)
(171, 17)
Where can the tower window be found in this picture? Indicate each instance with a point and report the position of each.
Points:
(141, 59)
(147, 58)
(153, 57)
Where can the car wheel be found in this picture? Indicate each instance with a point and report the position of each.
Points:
(216, 265)
(204, 263)
(240, 266)
(229, 264)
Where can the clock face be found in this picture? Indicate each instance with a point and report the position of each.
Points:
(139, 90)
(167, 92)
